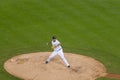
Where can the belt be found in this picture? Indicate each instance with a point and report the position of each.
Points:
(59, 49)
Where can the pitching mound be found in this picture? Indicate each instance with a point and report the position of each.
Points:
(32, 67)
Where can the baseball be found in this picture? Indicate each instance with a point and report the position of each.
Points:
(12, 60)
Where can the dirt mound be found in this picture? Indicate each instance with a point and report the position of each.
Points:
(32, 67)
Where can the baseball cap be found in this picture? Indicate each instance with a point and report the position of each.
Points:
(53, 37)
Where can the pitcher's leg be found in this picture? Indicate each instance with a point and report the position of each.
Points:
(60, 53)
(53, 54)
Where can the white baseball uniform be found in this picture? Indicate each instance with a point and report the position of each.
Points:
(58, 51)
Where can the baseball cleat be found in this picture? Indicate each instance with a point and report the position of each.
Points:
(46, 62)
(68, 66)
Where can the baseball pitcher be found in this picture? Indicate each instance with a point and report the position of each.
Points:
(57, 51)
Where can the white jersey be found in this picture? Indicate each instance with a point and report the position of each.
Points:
(55, 44)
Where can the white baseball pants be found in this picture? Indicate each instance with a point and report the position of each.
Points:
(60, 53)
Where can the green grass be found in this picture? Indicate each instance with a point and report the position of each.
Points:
(87, 27)
(105, 79)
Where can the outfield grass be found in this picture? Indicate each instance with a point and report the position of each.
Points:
(87, 27)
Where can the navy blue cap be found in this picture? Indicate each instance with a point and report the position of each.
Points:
(54, 37)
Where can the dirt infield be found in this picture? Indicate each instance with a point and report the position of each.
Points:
(115, 76)
(32, 67)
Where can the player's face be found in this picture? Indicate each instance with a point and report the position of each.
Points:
(54, 40)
